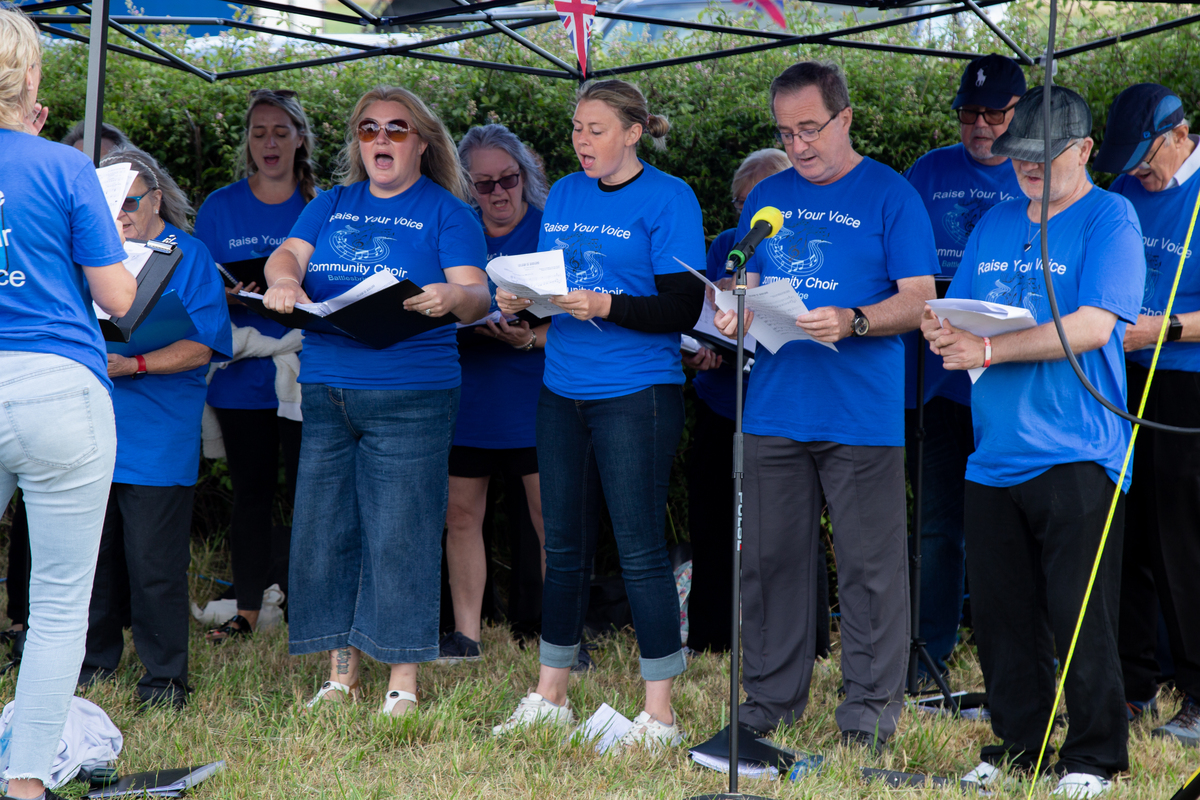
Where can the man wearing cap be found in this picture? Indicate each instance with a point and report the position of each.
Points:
(957, 183)
(1147, 142)
(1048, 455)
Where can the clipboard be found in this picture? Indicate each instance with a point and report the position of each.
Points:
(378, 321)
(151, 282)
(167, 323)
(246, 272)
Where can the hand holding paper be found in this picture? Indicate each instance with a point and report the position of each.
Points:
(533, 276)
(981, 318)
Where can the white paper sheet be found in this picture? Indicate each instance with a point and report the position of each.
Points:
(605, 727)
(365, 288)
(136, 256)
(495, 317)
(746, 769)
(533, 276)
(982, 319)
(115, 180)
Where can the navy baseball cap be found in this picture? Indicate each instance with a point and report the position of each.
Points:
(990, 81)
(1138, 116)
(1070, 118)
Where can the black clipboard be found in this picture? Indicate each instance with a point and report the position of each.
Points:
(151, 282)
(725, 347)
(246, 272)
(378, 321)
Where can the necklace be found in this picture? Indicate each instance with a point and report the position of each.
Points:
(1031, 235)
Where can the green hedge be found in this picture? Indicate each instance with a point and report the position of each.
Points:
(718, 109)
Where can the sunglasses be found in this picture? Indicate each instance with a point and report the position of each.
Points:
(992, 116)
(507, 182)
(396, 130)
(131, 204)
(277, 92)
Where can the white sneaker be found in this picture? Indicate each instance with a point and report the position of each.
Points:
(534, 709)
(985, 775)
(652, 734)
(1080, 785)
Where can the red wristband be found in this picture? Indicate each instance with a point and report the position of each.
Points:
(141, 362)
(987, 352)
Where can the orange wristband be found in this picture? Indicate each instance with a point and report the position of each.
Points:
(987, 352)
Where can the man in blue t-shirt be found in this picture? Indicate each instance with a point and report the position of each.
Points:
(858, 249)
(958, 184)
(1146, 142)
(1048, 456)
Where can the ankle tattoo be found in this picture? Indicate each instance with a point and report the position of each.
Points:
(342, 658)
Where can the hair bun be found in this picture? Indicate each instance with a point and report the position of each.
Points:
(657, 126)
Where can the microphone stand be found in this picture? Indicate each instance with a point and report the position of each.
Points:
(735, 638)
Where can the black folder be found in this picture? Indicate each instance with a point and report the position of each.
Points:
(752, 747)
(247, 272)
(151, 282)
(723, 346)
(378, 321)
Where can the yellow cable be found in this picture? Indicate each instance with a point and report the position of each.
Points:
(1112, 508)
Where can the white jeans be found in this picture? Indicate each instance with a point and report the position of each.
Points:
(58, 442)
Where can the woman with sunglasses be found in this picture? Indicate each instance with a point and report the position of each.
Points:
(59, 252)
(502, 365)
(371, 491)
(248, 220)
(158, 396)
(611, 410)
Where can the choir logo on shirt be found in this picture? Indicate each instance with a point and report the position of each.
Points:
(1153, 273)
(362, 242)
(798, 255)
(583, 258)
(1020, 286)
(960, 220)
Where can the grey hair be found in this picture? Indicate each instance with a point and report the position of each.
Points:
(756, 166)
(498, 137)
(175, 207)
(110, 132)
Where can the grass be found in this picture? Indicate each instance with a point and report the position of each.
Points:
(248, 708)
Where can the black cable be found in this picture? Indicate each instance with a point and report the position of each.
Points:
(1047, 103)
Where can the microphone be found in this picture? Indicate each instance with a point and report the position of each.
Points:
(765, 224)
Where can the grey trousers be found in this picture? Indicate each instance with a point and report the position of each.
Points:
(864, 488)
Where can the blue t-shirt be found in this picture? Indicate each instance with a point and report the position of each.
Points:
(158, 416)
(716, 387)
(1032, 416)
(956, 190)
(1164, 217)
(235, 226)
(616, 242)
(416, 235)
(844, 244)
(497, 408)
(52, 218)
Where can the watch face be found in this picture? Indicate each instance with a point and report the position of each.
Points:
(861, 325)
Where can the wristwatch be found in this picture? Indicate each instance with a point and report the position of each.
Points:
(861, 324)
(1176, 330)
(141, 368)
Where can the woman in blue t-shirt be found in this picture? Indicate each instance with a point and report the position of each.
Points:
(371, 491)
(502, 367)
(59, 252)
(611, 412)
(244, 221)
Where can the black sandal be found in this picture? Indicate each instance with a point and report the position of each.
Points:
(235, 626)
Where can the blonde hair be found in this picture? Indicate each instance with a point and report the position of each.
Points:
(629, 104)
(303, 169)
(756, 166)
(439, 162)
(20, 49)
(174, 208)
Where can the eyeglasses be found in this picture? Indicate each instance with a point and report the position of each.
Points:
(131, 204)
(507, 182)
(809, 135)
(739, 203)
(396, 130)
(277, 92)
(1145, 165)
(992, 116)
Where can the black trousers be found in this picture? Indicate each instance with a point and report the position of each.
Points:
(1030, 550)
(1161, 558)
(141, 572)
(258, 550)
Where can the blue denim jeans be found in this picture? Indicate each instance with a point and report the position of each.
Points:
(58, 442)
(949, 439)
(623, 446)
(367, 532)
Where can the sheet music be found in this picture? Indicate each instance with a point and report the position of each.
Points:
(376, 283)
(982, 319)
(136, 256)
(533, 276)
(115, 181)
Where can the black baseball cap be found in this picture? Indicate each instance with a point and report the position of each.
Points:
(1070, 118)
(1138, 116)
(990, 81)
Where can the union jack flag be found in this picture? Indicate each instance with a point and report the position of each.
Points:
(772, 8)
(577, 17)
